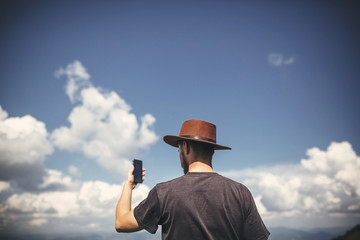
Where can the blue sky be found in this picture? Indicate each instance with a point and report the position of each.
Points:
(280, 81)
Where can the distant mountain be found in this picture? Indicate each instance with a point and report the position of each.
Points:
(282, 233)
(143, 235)
(352, 234)
(279, 233)
(294, 234)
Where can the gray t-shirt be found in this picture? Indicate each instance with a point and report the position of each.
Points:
(201, 206)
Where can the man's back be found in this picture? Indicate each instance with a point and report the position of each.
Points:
(201, 205)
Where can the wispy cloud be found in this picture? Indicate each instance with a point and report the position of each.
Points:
(74, 171)
(77, 77)
(278, 59)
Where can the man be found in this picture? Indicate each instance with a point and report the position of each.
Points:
(199, 205)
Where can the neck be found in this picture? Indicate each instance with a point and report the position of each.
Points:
(200, 167)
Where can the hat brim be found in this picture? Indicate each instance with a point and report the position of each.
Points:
(173, 141)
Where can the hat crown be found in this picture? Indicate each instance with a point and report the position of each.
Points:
(198, 128)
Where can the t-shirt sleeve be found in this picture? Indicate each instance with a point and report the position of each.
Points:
(254, 227)
(147, 213)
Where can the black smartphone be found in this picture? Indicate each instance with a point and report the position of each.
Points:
(137, 171)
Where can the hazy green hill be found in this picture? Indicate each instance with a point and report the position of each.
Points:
(352, 234)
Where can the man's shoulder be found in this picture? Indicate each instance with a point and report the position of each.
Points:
(229, 180)
(225, 181)
(169, 183)
(214, 178)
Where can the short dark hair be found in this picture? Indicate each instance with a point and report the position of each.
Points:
(201, 149)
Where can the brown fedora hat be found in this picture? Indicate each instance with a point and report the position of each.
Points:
(196, 130)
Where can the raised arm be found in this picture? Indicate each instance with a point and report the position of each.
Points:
(125, 220)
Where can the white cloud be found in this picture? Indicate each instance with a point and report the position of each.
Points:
(38, 222)
(326, 183)
(95, 200)
(278, 59)
(54, 179)
(3, 114)
(102, 126)
(4, 186)
(24, 146)
(23, 140)
(288, 61)
(339, 164)
(146, 135)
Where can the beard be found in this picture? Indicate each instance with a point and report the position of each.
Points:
(184, 163)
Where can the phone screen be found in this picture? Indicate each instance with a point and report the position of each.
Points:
(137, 171)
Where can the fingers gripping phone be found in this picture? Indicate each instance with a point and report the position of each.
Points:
(137, 171)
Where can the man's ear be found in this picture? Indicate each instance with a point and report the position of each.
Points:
(186, 147)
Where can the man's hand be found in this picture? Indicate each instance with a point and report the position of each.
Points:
(130, 177)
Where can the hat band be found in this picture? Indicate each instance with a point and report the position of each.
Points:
(198, 137)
